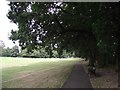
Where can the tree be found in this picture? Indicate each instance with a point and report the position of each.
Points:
(40, 53)
(2, 48)
(15, 51)
(74, 27)
(7, 52)
(11, 52)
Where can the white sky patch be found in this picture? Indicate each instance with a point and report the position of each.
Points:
(5, 25)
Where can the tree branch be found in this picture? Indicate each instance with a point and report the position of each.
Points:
(57, 21)
(64, 10)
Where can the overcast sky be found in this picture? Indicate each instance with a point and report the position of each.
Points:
(5, 25)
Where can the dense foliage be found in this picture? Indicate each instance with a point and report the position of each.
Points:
(2, 46)
(39, 53)
(88, 29)
(8, 52)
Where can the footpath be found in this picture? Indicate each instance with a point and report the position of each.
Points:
(78, 78)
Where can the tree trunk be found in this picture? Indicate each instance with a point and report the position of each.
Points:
(92, 57)
(118, 62)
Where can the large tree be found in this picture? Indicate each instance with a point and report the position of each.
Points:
(75, 27)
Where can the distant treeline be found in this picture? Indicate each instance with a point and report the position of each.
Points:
(40, 53)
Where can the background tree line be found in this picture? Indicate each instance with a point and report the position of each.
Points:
(8, 52)
(40, 53)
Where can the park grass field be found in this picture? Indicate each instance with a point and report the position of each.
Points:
(35, 72)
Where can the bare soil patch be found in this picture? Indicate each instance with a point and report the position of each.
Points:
(107, 77)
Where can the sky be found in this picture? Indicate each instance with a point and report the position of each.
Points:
(5, 25)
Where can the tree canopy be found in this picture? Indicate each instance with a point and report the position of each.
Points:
(88, 29)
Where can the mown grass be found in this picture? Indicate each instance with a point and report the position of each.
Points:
(36, 74)
(10, 62)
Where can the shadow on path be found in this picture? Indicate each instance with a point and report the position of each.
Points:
(78, 78)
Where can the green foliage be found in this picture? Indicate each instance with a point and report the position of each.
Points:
(89, 30)
(2, 48)
(42, 53)
(35, 54)
(11, 52)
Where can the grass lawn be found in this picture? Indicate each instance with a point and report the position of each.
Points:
(35, 73)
